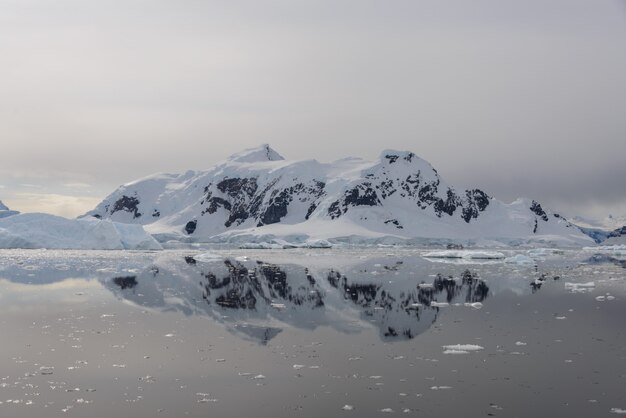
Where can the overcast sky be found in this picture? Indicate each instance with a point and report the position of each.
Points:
(519, 98)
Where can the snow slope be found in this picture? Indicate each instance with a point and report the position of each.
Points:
(5, 211)
(257, 195)
(38, 230)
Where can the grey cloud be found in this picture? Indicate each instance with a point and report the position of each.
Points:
(519, 98)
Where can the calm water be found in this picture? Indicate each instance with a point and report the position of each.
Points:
(309, 333)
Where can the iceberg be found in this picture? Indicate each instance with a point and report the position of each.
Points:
(39, 230)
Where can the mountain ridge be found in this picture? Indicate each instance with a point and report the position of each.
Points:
(257, 194)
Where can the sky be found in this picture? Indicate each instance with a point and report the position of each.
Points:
(518, 98)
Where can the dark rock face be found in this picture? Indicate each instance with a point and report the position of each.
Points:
(618, 232)
(242, 199)
(190, 227)
(477, 201)
(536, 208)
(128, 204)
(361, 195)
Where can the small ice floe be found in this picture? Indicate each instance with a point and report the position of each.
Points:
(544, 252)
(475, 305)
(618, 411)
(560, 317)
(425, 285)
(170, 335)
(376, 377)
(440, 387)
(46, 370)
(580, 287)
(355, 358)
(298, 366)
(520, 259)
(119, 366)
(278, 305)
(206, 257)
(465, 254)
(347, 407)
(520, 343)
(259, 377)
(220, 360)
(461, 348)
(387, 410)
(439, 304)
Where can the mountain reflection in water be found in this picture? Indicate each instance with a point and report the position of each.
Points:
(256, 299)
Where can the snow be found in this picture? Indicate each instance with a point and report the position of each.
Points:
(166, 203)
(466, 254)
(38, 230)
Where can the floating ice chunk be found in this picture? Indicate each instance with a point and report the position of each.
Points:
(519, 259)
(278, 305)
(440, 387)
(46, 370)
(207, 257)
(520, 343)
(588, 284)
(600, 298)
(298, 366)
(259, 377)
(347, 407)
(386, 410)
(439, 304)
(618, 411)
(465, 254)
(456, 352)
(475, 305)
(463, 347)
(580, 287)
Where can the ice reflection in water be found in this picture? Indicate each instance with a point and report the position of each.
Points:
(334, 333)
(234, 292)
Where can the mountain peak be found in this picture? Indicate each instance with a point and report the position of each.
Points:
(258, 154)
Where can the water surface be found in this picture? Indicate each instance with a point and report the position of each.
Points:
(362, 332)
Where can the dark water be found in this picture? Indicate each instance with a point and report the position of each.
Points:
(309, 333)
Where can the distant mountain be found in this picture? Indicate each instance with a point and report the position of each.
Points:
(609, 231)
(5, 211)
(257, 195)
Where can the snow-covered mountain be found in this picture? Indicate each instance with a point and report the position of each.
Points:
(609, 231)
(257, 195)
